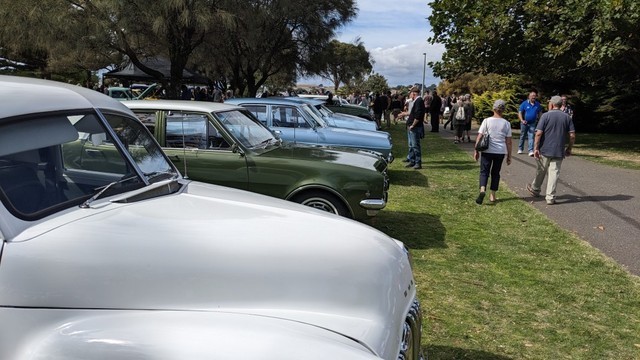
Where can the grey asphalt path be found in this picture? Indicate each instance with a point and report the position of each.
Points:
(600, 204)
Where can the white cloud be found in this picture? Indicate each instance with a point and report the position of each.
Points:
(395, 33)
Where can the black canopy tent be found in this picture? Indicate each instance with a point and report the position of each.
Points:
(133, 73)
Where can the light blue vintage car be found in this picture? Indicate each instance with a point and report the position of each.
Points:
(336, 119)
(298, 122)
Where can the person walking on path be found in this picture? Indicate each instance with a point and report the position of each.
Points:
(415, 129)
(528, 114)
(499, 131)
(549, 148)
(472, 115)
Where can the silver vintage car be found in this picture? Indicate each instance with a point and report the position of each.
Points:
(107, 252)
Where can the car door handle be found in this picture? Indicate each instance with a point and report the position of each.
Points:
(174, 158)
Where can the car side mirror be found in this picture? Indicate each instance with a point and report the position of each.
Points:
(236, 149)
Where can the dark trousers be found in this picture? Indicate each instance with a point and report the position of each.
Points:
(490, 164)
(435, 121)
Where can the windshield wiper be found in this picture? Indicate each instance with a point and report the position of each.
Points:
(154, 174)
(87, 203)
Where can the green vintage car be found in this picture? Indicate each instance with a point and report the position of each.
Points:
(225, 145)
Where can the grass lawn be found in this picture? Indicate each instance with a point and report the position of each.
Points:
(502, 281)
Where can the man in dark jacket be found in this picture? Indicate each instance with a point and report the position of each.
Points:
(434, 112)
(415, 129)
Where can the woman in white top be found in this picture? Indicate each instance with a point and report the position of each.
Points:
(499, 131)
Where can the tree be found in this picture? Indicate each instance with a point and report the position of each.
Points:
(377, 83)
(559, 45)
(268, 37)
(92, 34)
(342, 63)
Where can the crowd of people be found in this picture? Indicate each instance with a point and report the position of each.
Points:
(549, 136)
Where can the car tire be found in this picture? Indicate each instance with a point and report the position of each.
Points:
(322, 200)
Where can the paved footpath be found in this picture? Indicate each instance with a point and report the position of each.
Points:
(599, 203)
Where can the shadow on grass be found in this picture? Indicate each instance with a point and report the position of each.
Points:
(453, 165)
(408, 177)
(435, 352)
(418, 231)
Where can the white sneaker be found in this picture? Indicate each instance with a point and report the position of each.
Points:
(520, 152)
(530, 153)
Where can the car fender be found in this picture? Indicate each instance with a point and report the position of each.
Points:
(321, 187)
(165, 335)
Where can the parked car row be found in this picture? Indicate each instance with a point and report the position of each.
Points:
(297, 122)
(224, 145)
(108, 252)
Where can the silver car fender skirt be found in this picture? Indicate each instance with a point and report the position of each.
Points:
(167, 335)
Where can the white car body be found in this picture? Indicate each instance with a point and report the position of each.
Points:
(175, 269)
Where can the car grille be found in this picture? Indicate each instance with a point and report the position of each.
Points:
(412, 334)
(385, 185)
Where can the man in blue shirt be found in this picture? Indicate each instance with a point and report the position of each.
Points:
(528, 114)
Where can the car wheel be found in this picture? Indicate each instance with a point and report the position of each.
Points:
(322, 201)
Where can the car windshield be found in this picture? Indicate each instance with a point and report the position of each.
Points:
(249, 131)
(60, 160)
(326, 118)
(324, 110)
(315, 115)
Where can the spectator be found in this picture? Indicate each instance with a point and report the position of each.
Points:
(528, 114)
(566, 108)
(415, 129)
(499, 131)
(472, 115)
(551, 135)
(434, 113)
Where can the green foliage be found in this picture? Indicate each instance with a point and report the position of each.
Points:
(376, 83)
(483, 104)
(342, 63)
(587, 47)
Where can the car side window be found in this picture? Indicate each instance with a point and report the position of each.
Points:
(186, 130)
(193, 131)
(260, 112)
(290, 117)
(148, 120)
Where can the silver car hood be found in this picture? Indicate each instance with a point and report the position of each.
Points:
(197, 250)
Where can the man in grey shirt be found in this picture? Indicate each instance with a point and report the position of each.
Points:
(552, 132)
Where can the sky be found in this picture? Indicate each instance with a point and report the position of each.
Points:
(395, 34)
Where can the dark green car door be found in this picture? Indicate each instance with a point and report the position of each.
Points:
(198, 148)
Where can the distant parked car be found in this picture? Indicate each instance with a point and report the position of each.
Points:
(107, 252)
(225, 145)
(296, 122)
(342, 106)
(336, 119)
(125, 93)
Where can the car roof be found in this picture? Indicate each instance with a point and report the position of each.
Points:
(183, 105)
(270, 100)
(312, 101)
(23, 95)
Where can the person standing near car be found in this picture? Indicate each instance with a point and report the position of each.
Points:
(549, 148)
(528, 114)
(415, 129)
